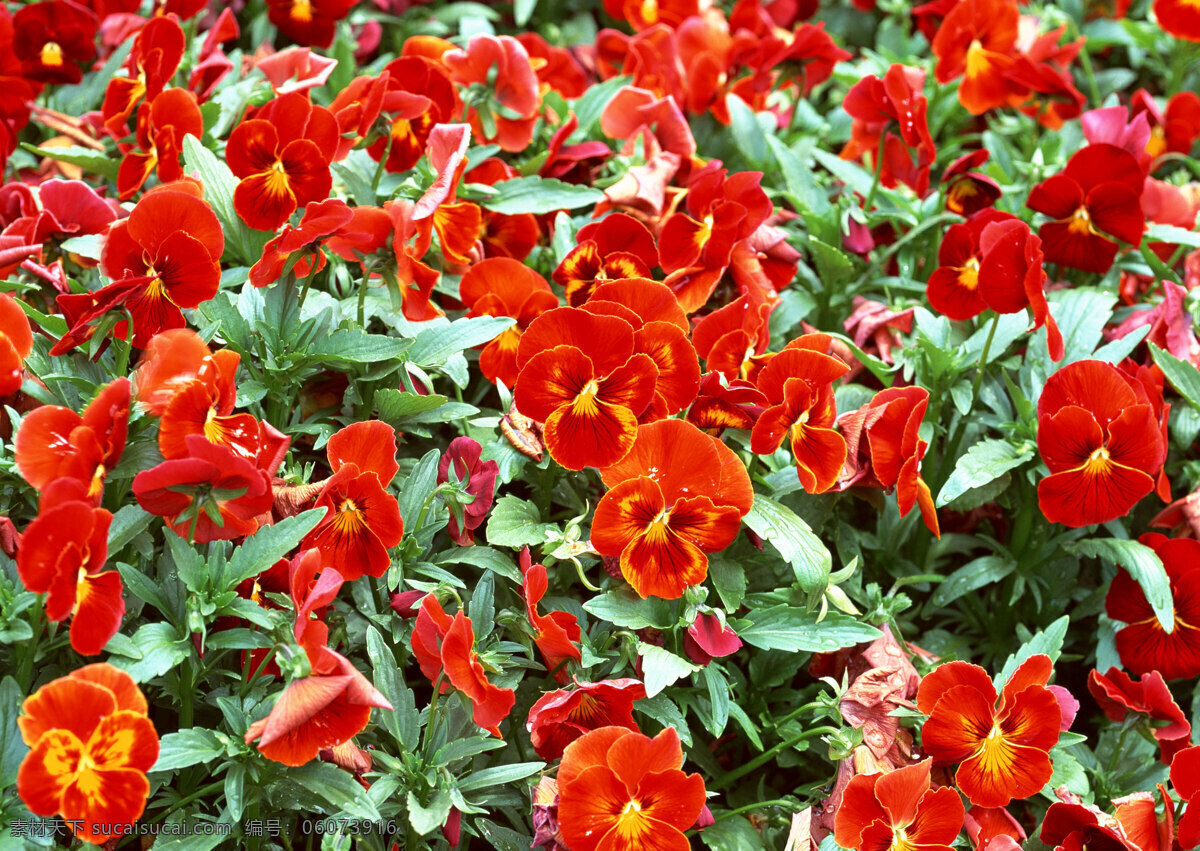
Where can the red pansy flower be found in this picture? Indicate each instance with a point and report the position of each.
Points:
(1002, 749)
(1178, 18)
(51, 38)
(976, 41)
(153, 60)
(511, 110)
(320, 221)
(677, 495)
(501, 286)
(732, 334)
(969, 191)
(1185, 778)
(557, 635)
(54, 442)
(1011, 277)
(723, 404)
(618, 246)
(1098, 434)
(621, 790)
(478, 479)
(296, 69)
(898, 808)
(581, 377)
(362, 520)
(710, 638)
(161, 128)
(62, 555)
(1143, 644)
(91, 745)
(875, 104)
(798, 384)
(994, 828)
(1096, 198)
(162, 258)
(308, 22)
(282, 157)
(953, 288)
(325, 709)
(418, 96)
(1118, 695)
(560, 717)
(446, 645)
(16, 342)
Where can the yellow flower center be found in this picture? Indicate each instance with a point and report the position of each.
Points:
(302, 11)
(349, 519)
(968, 274)
(977, 59)
(1098, 462)
(214, 432)
(52, 54)
(1081, 221)
(585, 401)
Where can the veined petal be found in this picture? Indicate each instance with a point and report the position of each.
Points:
(1001, 771)
(47, 770)
(960, 723)
(99, 608)
(551, 379)
(590, 433)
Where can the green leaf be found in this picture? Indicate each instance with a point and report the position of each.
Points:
(12, 746)
(403, 720)
(661, 667)
(537, 195)
(396, 405)
(417, 488)
(96, 162)
(985, 461)
(129, 522)
(795, 630)
(523, 11)
(268, 545)
(89, 245)
(145, 588)
(516, 523)
(189, 564)
(484, 557)
(794, 539)
(1142, 563)
(1183, 376)
(834, 267)
(1047, 642)
(749, 134)
(162, 648)
(219, 184)
(500, 775)
(972, 576)
(426, 818)
(591, 105)
(729, 578)
(353, 345)
(1171, 234)
(434, 346)
(501, 838)
(663, 710)
(333, 790)
(624, 608)
(187, 747)
(718, 699)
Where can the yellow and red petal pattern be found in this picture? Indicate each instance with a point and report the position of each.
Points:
(677, 455)
(48, 770)
(99, 803)
(1034, 671)
(370, 445)
(669, 797)
(192, 411)
(607, 341)
(624, 513)
(959, 725)
(123, 687)
(68, 704)
(99, 608)
(1001, 771)
(860, 808)
(820, 454)
(590, 431)
(43, 448)
(125, 739)
(1033, 718)
(552, 379)
(678, 367)
(650, 300)
(1092, 494)
(899, 792)
(669, 553)
(589, 750)
(265, 200)
(594, 812)
(361, 523)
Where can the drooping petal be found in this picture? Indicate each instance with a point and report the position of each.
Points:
(99, 608)
(370, 445)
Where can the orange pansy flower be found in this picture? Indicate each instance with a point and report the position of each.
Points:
(16, 342)
(562, 716)
(1002, 749)
(622, 791)
(362, 520)
(500, 286)
(161, 128)
(977, 41)
(581, 377)
(898, 810)
(677, 495)
(619, 246)
(153, 60)
(557, 634)
(91, 746)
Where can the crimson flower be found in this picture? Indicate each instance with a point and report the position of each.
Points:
(898, 809)
(281, 156)
(620, 789)
(320, 221)
(478, 479)
(164, 257)
(1011, 277)
(557, 634)
(446, 645)
(500, 65)
(1098, 434)
(710, 638)
(51, 38)
(153, 60)
(1118, 695)
(1002, 750)
(1095, 199)
(876, 104)
(1143, 645)
(676, 496)
(618, 246)
(16, 342)
(560, 717)
(1185, 777)
(953, 288)
(362, 520)
(161, 128)
(62, 555)
(1178, 18)
(308, 22)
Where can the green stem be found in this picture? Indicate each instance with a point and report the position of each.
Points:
(761, 805)
(768, 755)
(199, 793)
(1160, 268)
(246, 683)
(433, 713)
(1085, 60)
(960, 427)
(25, 677)
(798, 712)
(379, 170)
(186, 692)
